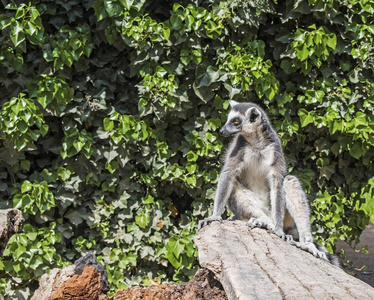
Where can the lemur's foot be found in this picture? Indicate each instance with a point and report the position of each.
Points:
(289, 239)
(280, 233)
(312, 248)
(206, 221)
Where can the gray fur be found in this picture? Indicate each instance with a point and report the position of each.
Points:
(254, 183)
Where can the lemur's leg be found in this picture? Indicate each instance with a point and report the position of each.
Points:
(247, 205)
(298, 207)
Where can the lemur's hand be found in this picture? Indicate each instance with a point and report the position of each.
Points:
(262, 222)
(206, 221)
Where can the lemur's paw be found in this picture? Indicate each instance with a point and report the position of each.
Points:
(289, 239)
(306, 239)
(322, 255)
(253, 222)
(311, 248)
(206, 221)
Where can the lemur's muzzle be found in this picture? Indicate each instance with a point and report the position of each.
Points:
(224, 131)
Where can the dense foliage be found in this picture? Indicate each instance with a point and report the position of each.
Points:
(109, 117)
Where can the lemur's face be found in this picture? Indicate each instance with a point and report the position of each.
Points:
(233, 124)
(242, 118)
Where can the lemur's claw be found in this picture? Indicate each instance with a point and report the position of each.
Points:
(311, 248)
(289, 239)
(280, 233)
(206, 221)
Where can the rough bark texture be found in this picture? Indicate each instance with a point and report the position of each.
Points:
(253, 264)
(89, 285)
(50, 283)
(203, 287)
(86, 286)
(11, 222)
(86, 279)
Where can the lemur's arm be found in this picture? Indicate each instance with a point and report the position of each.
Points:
(277, 202)
(224, 189)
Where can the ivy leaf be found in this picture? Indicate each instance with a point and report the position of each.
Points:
(26, 186)
(204, 93)
(113, 8)
(356, 150)
(76, 217)
(108, 124)
(205, 77)
(303, 53)
(16, 34)
(176, 21)
(305, 117)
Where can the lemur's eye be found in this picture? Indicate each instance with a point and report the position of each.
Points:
(236, 122)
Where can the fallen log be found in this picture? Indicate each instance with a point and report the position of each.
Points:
(11, 222)
(254, 264)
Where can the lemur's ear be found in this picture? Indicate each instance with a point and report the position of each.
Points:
(253, 115)
(233, 103)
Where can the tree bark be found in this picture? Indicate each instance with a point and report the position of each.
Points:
(11, 221)
(254, 264)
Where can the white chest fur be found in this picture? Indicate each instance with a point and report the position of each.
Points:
(256, 170)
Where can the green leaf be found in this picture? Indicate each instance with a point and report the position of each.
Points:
(22, 126)
(331, 42)
(16, 34)
(5, 21)
(76, 217)
(113, 8)
(356, 150)
(100, 11)
(305, 117)
(25, 165)
(142, 221)
(205, 77)
(108, 124)
(303, 53)
(176, 21)
(337, 126)
(65, 173)
(112, 166)
(26, 186)
(127, 3)
(148, 199)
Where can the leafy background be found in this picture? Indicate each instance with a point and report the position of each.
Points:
(109, 117)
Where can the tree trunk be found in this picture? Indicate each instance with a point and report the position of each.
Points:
(10, 222)
(254, 264)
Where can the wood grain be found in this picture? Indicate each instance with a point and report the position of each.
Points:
(254, 264)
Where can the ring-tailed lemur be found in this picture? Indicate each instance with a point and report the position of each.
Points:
(254, 183)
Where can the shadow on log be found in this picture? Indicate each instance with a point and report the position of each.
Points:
(253, 264)
(11, 222)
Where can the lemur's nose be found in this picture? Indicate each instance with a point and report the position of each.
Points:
(224, 131)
